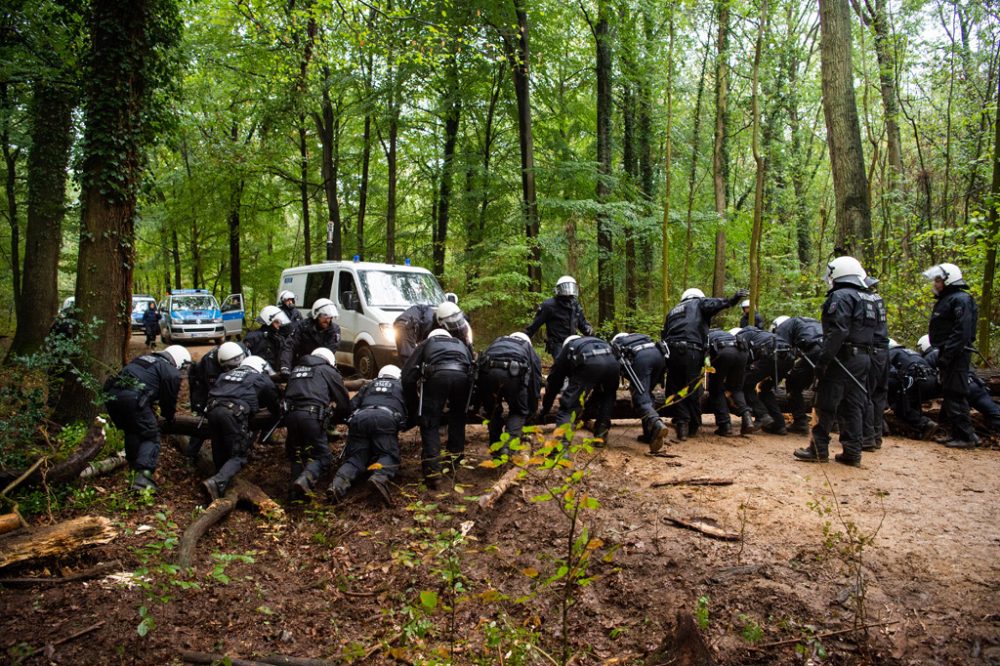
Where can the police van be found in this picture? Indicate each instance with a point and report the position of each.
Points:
(369, 296)
(194, 314)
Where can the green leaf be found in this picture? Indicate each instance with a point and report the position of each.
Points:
(429, 599)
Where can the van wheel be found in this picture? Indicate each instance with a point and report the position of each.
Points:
(364, 362)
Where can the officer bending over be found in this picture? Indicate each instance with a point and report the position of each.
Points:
(509, 371)
(729, 358)
(642, 362)
(591, 368)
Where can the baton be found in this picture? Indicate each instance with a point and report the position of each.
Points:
(853, 378)
(632, 376)
(986, 360)
(271, 431)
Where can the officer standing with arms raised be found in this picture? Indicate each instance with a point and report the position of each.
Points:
(286, 301)
(267, 340)
(437, 380)
(590, 366)
(849, 319)
(642, 362)
(314, 397)
(379, 413)
(319, 330)
(509, 372)
(729, 358)
(952, 331)
(805, 335)
(149, 379)
(561, 315)
(685, 330)
(236, 396)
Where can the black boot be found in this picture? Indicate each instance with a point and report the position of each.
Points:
(724, 429)
(682, 430)
(799, 427)
(746, 424)
(213, 488)
(381, 486)
(658, 437)
(776, 427)
(304, 482)
(338, 489)
(810, 454)
(845, 459)
(871, 445)
(601, 430)
(144, 479)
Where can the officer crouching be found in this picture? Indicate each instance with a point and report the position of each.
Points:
(314, 396)
(236, 396)
(590, 366)
(149, 379)
(509, 371)
(379, 413)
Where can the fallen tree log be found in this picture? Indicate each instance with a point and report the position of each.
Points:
(697, 481)
(56, 540)
(503, 484)
(9, 522)
(96, 571)
(68, 469)
(104, 466)
(705, 526)
(194, 657)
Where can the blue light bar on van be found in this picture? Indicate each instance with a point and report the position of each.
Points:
(357, 258)
(406, 262)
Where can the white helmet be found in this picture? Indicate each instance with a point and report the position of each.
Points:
(325, 354)
(567, 286)
(950, 273)
(846, 269)
(391, 371)
(231, 354)
(692, 293)
(745, 304)
(255, 363)
(734, 331)
(451, 297)
(924, 343)
(439, 332)
(270, 313)
(893, 344)
(570, 339)
(450, 316)
(324, 307)
(285, 295)
(522, 336)
(778, 321)
(179, 355)
(618, 335)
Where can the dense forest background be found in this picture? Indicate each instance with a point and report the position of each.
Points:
(643, 146)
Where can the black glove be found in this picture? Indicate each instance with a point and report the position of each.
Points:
(738, 296)
(284, 374)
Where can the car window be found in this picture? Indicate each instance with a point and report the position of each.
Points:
(193, 303)
(399, 289)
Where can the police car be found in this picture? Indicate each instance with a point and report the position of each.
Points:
(194, 314)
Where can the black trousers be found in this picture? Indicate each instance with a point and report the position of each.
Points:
(763, 375)
(730, 365)
(878, 396)
(372, 437)
(139, 425)
(497, 386)
(799, 378)
(598, 376)
(306, 445)
(649, 366)
(445, 397)
(907, 396)
(231, 441)
(955, 390)
(683, 368)
(980, 400)
(840, 399)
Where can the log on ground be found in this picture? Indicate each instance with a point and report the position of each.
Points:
(55, 540)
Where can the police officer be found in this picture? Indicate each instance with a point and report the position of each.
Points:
(267, 340)
(286, 301)
(758, 321)
(849, 319)
(314, 397)
(437, 380)
(952, 330)
(319, 330)
(562, 316)
(236, 396)
(685, 330)
(729, 357)
(151, 325)
(149, 379)
(589, 365)
(201, 379)
(771, 358)
(642, 362)
(805, 335)
(379, 413)
(878, 376)
(979, 396)
(451, 318)
(412, 327)
(912, 381)
(509, 371)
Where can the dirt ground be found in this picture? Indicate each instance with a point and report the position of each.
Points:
(360, 583)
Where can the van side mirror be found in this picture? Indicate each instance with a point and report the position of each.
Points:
(350, 301)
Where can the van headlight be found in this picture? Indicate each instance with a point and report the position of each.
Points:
(388, 332)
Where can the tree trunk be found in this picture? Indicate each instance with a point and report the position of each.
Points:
(519, 56)
(175, 251)
(235, 266)
(452, 103)
(390, 210)
(667, 178)
(51, 137)
(645, 140)
(304, 189)
(758, 201)
(720, 151)
(10, 158)
(850, 184)
(478, 232)
(630, 167)
(605, 239)
(366, 154)
(695, 152)
(992, 240)
(328, 126)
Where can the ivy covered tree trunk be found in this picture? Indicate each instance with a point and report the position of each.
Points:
(130, 61)
(720, 151)
(843, 131)
(992, 240)
(303, 183)
(453, 110)
(328, 125)
(605, 238)
(235, 264)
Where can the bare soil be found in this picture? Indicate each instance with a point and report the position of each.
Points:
(339, 583)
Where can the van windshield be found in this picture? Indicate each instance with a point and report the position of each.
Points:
(392, 289)
(193, 303)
